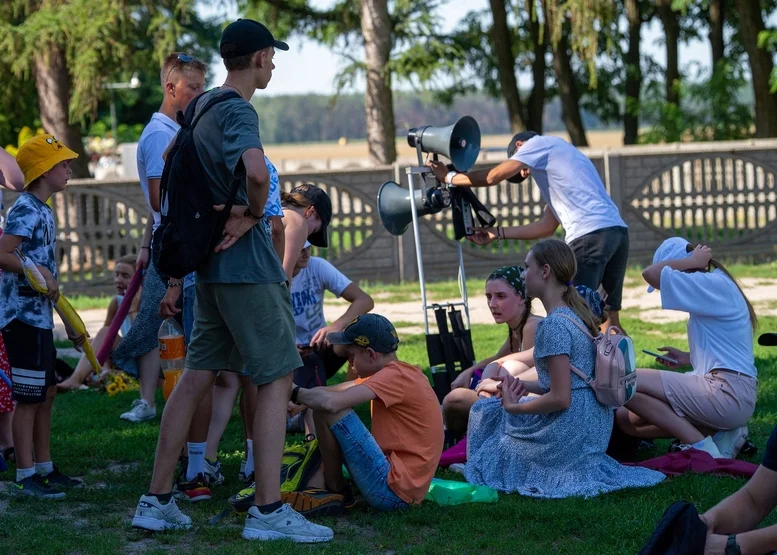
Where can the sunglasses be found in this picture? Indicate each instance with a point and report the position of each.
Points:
(180, 59)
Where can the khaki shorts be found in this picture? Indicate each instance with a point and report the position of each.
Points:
(241, 326)
(720, 400)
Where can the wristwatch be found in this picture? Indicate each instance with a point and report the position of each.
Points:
(732, 547)
(294, 393)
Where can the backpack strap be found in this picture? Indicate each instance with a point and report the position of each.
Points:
(190, 119)
(580, 374)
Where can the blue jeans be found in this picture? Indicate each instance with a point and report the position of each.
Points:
(366, 463)
(188, 312)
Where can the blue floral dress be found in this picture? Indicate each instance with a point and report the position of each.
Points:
(555, 455)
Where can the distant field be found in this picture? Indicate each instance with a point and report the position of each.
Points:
(358, 149)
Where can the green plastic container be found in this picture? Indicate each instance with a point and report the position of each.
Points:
(451, 492)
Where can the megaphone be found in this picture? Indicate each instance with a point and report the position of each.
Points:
(394, 205)
(460, 142)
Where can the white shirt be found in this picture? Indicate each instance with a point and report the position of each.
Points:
(307, 296)
(155, 138)
(570, 184)
(719, 332)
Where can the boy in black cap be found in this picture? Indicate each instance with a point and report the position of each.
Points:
(394, 465)
(244, 318)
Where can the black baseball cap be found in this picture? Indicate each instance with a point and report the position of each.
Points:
(323, 205)
(511, 148)
(368, 330)
(246, 36)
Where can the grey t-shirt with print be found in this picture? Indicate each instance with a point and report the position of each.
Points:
(34, 221)
(221, 136)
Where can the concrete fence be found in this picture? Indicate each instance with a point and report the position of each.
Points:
(723, 194)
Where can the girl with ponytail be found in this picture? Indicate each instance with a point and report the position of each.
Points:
(552, 445)
(509, 304)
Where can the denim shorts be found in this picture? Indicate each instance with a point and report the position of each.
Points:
(366, 463)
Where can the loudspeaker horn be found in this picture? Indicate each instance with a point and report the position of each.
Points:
(460, 142)
(394, 206)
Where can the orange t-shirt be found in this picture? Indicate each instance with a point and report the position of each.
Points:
(407, 425)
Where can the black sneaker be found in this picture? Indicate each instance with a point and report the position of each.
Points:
(62, 481)
(34, 486)
(192, 490)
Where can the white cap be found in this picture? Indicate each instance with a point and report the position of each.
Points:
(671, 249)
(307, 245)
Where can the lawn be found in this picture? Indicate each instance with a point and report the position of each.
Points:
(116, 459)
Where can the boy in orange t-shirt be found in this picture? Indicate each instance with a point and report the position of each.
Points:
(393, 466)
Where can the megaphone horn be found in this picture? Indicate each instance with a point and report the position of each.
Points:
(460, 142)
(394, 206)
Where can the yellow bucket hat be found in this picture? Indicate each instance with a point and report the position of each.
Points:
(40, 154)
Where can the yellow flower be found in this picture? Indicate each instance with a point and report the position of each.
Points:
(112, 389)
(123, 387)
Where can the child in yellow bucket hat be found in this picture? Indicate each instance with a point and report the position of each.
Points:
(26, 316)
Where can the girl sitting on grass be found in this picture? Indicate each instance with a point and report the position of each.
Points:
(709, 407)
(552, 445)
(509, 304)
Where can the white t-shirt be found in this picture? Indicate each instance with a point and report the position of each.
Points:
(719, 331)
(155, 138)
(571, 186)
(307, 296)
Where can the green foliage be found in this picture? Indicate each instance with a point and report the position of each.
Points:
(103, 41)
(713, 108)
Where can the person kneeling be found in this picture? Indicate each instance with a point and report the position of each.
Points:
(392, 467)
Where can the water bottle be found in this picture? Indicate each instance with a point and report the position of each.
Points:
(172, 353)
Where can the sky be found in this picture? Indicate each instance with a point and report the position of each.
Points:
(311, 68)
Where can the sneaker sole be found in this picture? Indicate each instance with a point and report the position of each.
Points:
(23, 493)
(133, 419)
(156, 525)
(183, 496)
(269, 535)
(309, 506)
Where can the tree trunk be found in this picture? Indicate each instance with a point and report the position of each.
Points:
(633, 74)
(752, 23)
(52, 81)
(716, 20)
(379, 103)
(536, 105)
(505, 60)
(670, 19)
(567, 90)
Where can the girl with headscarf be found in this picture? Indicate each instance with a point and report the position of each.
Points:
(509, 305)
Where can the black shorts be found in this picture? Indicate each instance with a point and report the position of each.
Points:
(318, 368)
(32, 357)
(602, 257)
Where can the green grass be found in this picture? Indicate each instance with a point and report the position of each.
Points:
(88, 439)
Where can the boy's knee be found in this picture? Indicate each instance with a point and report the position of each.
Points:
(328, 418)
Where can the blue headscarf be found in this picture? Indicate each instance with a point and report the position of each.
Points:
(592, 299)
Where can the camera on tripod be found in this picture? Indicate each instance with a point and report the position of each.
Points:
(460, 143)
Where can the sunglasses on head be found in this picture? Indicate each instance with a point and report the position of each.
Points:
(182, 59)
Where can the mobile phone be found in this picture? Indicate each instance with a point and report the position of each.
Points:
(663, 357)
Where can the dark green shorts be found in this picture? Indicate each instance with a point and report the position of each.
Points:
(244, 326)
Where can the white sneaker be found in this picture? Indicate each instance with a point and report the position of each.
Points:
(213, 472)
(140, 412)
(150, 514)
(729, 442)
(706, 445)
(284, 524)
(457, 467)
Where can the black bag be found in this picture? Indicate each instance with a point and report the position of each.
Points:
(190, 227)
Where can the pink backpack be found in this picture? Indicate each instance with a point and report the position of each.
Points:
(615, 372)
